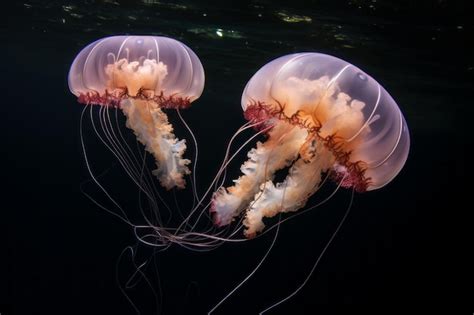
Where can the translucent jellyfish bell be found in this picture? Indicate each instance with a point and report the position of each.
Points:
(325, 116)
(131, 64)
(381, 141)
(141, 75)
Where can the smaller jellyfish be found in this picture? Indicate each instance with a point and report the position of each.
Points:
(141, 75)
(323, 116)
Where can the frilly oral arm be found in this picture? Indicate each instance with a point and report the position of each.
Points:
(302, 181)
(150, 125)
(279, 151)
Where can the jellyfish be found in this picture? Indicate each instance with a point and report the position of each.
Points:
(322, 115)
(141, 75)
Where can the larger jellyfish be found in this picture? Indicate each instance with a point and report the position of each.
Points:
(141, 75)
(323, 116)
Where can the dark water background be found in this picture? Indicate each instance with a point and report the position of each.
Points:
(400, 247)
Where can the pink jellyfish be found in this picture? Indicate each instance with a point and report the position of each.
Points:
(141, 75)
(323, 116)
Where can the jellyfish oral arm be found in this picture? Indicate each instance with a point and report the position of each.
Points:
(150, 125)
(290, 195)
(279, 151)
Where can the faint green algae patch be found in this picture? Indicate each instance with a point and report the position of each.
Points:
(173, 6)
(293, 18)
(344, 39)
(211, 32)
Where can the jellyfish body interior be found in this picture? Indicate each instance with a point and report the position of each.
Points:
(141, 75)
(325, 116)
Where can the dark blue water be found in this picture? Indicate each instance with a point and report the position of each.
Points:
(397, 250)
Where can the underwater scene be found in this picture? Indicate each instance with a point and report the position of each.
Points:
(239, 157)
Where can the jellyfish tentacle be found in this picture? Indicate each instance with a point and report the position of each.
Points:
(150, 125)
(275, 154)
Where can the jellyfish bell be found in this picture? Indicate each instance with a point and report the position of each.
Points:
(141, 75)
(323, 115)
